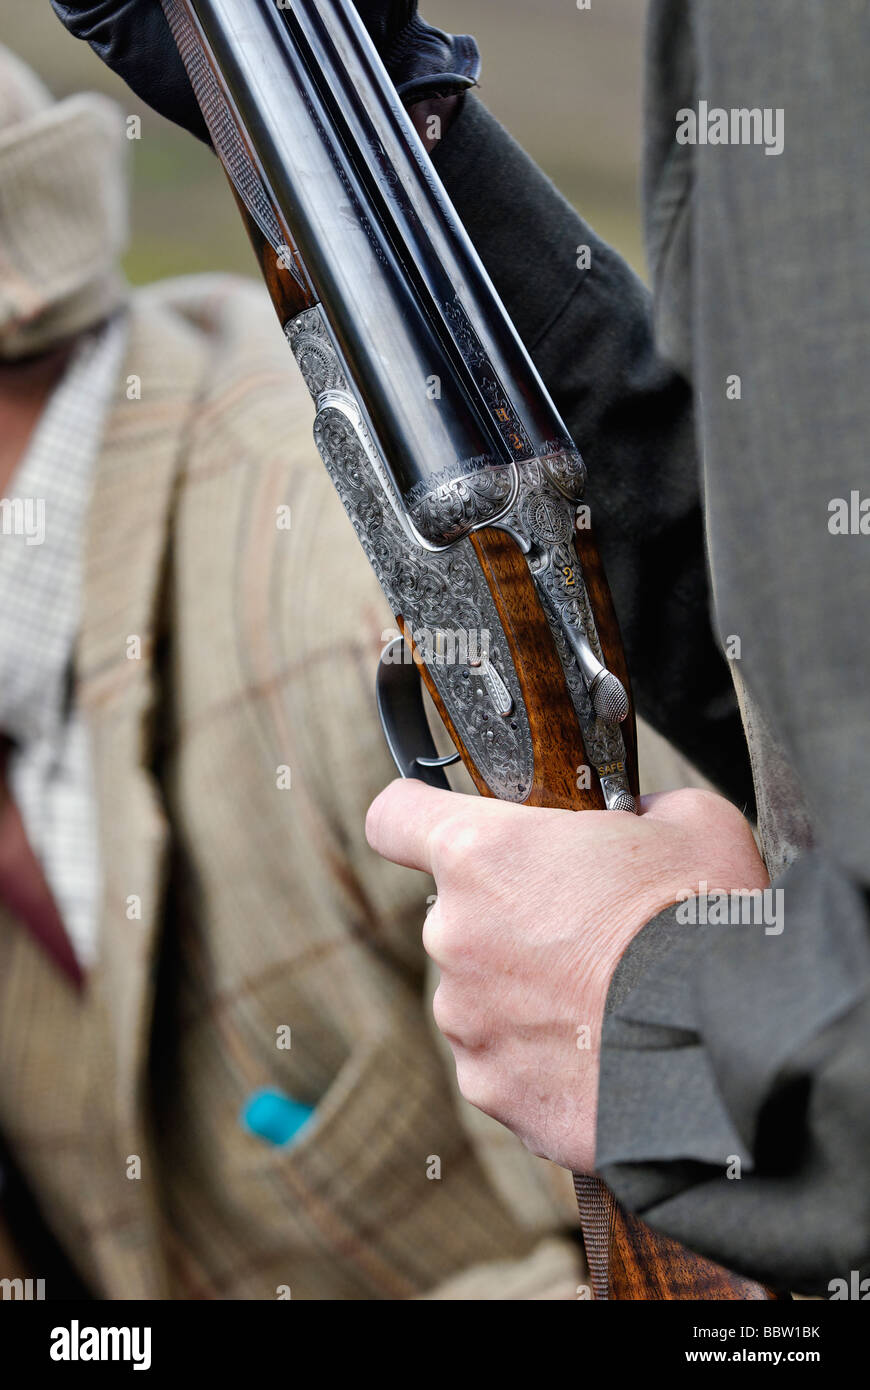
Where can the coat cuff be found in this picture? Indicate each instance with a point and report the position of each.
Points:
(731, 1109)
(658, 1100)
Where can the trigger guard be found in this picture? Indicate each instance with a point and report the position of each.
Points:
(399, 693)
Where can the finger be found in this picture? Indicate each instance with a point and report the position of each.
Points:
(401, 819)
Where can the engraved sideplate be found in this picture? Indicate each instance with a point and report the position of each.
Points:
(433, 591)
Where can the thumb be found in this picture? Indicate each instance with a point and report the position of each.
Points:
(401, 819)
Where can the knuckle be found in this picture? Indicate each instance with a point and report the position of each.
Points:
(476, 1086)
(696, 802)
(442, 1013)
(433, 934)
(707, 813)
(453, 842)
(720, 839)
(458, 1018)
(440, 842)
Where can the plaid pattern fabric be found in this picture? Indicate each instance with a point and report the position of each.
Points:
(236, 905)
(40, 581)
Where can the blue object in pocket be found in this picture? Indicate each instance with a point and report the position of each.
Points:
(275, 1117)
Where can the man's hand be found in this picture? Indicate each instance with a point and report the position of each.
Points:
(534, 909)
(133, 38)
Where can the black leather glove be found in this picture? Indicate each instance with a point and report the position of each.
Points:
(133, 38)
(421, 60)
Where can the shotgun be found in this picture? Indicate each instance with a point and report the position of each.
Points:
(461, 481)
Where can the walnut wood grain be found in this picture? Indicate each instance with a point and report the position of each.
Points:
(288, 296)
(647, 1266)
